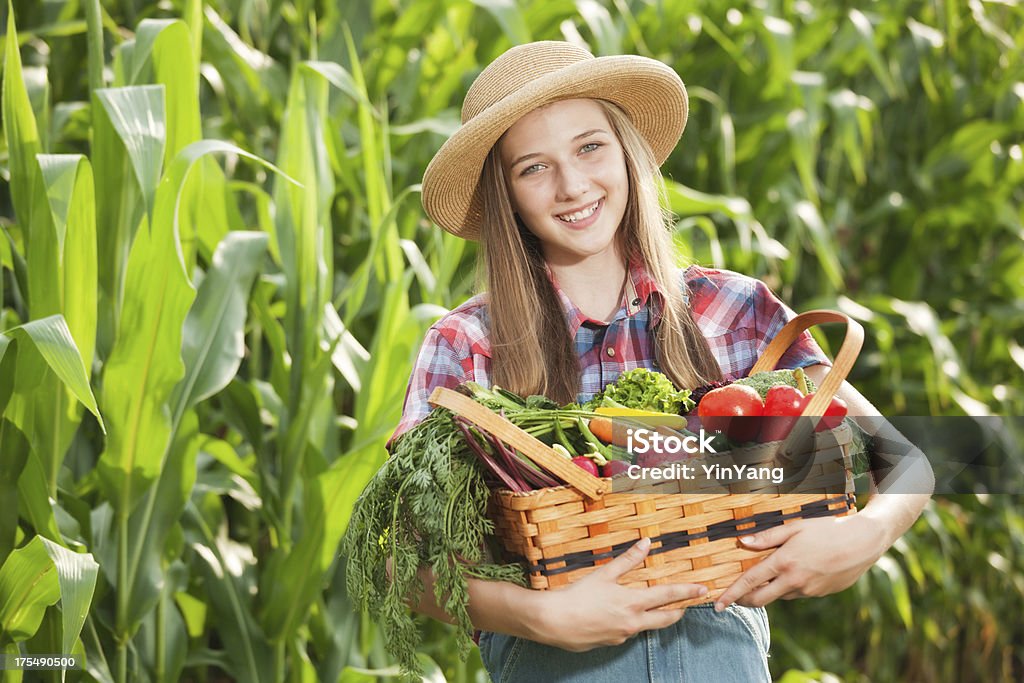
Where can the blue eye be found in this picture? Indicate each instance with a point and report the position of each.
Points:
(531, 169)
(590, 147)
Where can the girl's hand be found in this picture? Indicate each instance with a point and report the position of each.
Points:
(815, 557)
(596, 611)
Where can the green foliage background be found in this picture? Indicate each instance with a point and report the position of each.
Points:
(214, 273)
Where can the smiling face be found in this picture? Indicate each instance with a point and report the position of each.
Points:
(567, 181)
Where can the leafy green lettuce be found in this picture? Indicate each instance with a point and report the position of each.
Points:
(643, 389)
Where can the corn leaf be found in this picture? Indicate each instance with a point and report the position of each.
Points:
(15, 449)
(303, 221)
(145, 364)
(137, 115)
(62, 279)
(119, 211)
(303, 229)
(212, 351)
(349, 357)
(167, 45)
(20, 129)
(52, 339)
(8, 358)
(48, 362)
(900, 595)
(510, 17)
(607, 33)
(327, 507)
(824, 246)
(76, 576)
(378, 406)
(154, 520)
(28, 585)
(34, 498)
(246, 656)
(68, 181)
(165, 48)
(94, 31)
(386, 255)
(214, 343)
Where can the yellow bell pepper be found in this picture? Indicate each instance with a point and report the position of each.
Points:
(647, 416)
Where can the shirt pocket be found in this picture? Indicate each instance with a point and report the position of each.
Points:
(735, 351)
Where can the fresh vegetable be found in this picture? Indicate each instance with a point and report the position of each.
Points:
(587, 464)
(603, 429)
(645, 418)
(614, 467)
(782, 406)
(562, 451)
(700, 392)
(512, 470)
(541, 417)
(734, 410)
(763, 381)
(643, 389)
(424, 507)
(595, 444)
(834, 414)
(632, 412)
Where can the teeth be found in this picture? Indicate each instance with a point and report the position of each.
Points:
(580, 215)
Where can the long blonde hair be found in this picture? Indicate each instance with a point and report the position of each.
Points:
(531, 349)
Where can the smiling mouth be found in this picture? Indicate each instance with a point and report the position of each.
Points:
(580, 215)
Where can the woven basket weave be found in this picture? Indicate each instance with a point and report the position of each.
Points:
(562, 533)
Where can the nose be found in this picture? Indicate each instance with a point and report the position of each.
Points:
(572, 182)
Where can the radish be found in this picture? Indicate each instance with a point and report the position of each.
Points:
(614, 467)
(586, 463)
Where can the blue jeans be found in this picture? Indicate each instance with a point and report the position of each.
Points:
(704, 647)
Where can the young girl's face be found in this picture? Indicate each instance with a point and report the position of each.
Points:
(567, 180)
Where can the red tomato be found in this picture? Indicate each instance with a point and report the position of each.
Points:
(834, 414)
(732, 409)
(782, 402)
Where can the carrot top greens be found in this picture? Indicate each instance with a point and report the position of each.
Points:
(426, 507)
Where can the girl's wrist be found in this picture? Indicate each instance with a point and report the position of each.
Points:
(535, 615)
(877, 533)
(510, 609)
(535, 608)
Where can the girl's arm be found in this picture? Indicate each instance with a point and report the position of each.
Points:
(592, 612)
(817, 557)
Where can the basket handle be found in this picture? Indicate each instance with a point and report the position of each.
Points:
(532, 447)
(841, 366)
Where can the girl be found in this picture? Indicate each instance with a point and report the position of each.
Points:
(555, 171)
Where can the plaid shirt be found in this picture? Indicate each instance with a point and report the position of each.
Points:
(738, 316)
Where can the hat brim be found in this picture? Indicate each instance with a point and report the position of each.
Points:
(651, 94)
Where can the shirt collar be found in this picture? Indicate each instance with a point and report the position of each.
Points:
(646, 292)
(641, 290)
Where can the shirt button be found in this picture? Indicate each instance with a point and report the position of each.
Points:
(611, 352)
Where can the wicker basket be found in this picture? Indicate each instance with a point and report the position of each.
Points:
(562, 533)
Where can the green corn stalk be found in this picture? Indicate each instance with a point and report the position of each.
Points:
(43, 571)
(303, 231)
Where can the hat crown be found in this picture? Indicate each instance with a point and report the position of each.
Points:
(517, 68)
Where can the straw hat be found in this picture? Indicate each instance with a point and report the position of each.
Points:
(527, 77)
